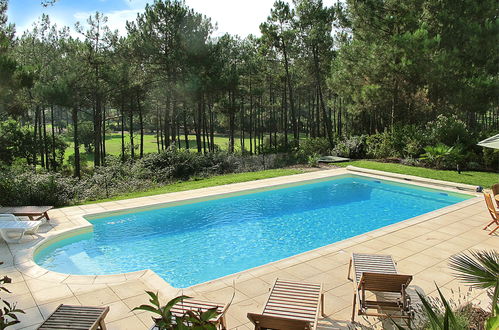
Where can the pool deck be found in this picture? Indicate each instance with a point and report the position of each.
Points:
(421, 246)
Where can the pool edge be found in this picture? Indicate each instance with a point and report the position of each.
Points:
(26, 264)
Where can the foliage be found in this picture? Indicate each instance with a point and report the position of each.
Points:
(313, 160)
(402, 141)
(315, 146)
(8, 312)
(23, 185)
(85, 134)
(479, 269)
(168, 321)
(15, 141)
(448, 130)
(26, 186)
(438, 319)
(436, 156)
(491, 158)
(351, 147)
(197, 183)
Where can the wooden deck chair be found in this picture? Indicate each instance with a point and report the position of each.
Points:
(378, 274)
(39, 213)
(493, 213)
(495, 193)
(291, 306)
(190, 304)
(76, 317)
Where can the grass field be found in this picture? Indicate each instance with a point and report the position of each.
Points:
(484, 179)
(203, 183)
(113, 145)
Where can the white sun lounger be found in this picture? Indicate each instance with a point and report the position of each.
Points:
(9, 226)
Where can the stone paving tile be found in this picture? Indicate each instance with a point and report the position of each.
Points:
(420, 246)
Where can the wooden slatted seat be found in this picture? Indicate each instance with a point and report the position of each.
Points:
(493, 213)
(378, 274)
(190, 304)
(32, 212)
(76, 318)
(291, 305)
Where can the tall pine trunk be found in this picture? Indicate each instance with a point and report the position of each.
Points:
(74, 117)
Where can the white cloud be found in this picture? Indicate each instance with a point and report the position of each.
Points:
(240, 17)
(116, 20)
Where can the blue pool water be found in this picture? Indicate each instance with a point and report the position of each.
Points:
(196, 242)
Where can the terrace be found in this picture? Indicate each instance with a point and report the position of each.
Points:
(421, 246)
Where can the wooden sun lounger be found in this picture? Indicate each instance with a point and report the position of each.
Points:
(291, 306)
(378, 274)
(76, 317)
(190, 304)
(493, 213)
(32, 212)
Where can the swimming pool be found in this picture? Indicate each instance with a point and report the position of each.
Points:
(198, 241)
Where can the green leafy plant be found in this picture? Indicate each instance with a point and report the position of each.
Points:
(441, 316)
(480, 269)
(436, 155)
(166, 320)
(313, 160)
(199, 320)
(8, 313)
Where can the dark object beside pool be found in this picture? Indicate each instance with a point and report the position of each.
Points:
(28, 211)
(76, 317)
(333, 159)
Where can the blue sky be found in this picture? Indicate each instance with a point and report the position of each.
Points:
(234, 16)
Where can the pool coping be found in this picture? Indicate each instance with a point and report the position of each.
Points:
(24, 253)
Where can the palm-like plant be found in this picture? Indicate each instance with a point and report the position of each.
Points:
(166, 319)
(480, 269)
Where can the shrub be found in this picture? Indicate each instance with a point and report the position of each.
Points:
(313, 146)
(491, 158)
(313, 160)
(449, 131)
(278, 145)
(352, 147)
(25, 186)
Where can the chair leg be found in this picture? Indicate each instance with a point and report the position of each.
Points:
(349, 269)
(493, 221)
(353, 308)
(102, 325)
(322, 305)
(222, 323)
(494, 230)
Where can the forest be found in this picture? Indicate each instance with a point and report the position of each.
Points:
(415, 81)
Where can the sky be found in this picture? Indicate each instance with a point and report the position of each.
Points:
(240, 17)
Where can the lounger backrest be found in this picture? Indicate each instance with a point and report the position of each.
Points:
(279, 323)
(384, 282)
(490, 206)
(8, 217)
(495, 189)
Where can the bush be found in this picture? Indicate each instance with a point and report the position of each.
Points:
(403, 142)
(25, 186)
(449, 131)
(278, 145)
(491, 158)
(313, 146)
(352, 147)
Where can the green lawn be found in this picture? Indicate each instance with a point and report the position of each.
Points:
(203, 183)
(113, 145)
(484, 179)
